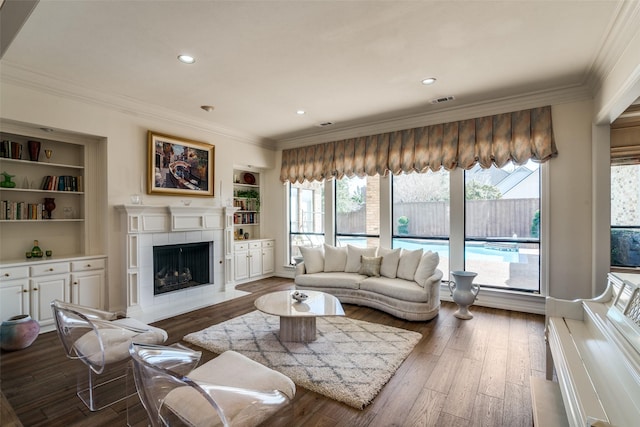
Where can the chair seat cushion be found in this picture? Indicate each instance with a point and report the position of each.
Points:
(116, 341)
(230, 369)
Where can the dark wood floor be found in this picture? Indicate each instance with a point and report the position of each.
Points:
(462, 373)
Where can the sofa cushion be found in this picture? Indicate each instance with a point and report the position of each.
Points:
(330, 280)
(426, 268)
(390, 258)
(313, 259)
(370, 266)
(335, 258)
(408, 264)
(395, 288)
(353, 257)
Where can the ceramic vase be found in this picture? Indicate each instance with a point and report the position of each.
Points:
(34, 150)
(464, 292)
(18, 332)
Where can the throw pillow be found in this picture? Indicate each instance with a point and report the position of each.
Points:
(370, 266)
(390, 258)
(313, 259)
(408, 264)
(335, 259)
(353, 257)
(426, 268)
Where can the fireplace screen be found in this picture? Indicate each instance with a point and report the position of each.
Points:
(182, 266)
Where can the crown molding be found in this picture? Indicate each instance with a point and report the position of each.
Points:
(622, 29)
(452, 114)
(29, 79)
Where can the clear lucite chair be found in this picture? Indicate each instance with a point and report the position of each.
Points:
(230, 390)
(101, 341)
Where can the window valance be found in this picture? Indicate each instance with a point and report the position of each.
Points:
(518, 137)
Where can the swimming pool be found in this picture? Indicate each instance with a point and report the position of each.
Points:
(476, 252)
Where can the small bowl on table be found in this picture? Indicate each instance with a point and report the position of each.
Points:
(299, 296)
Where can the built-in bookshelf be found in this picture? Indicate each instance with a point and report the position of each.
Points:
(246, 197)
(57, 198)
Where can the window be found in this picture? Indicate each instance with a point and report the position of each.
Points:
(420, 204)
(502, 226)
(625, 215)
(306, 216)
(358, 211)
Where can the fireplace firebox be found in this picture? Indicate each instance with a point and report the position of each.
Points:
(182, 266)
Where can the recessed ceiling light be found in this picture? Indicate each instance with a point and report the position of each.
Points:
(186, 59)
(429, 81)
(301, 112)
(207, 108)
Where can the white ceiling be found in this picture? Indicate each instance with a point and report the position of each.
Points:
(347, 62)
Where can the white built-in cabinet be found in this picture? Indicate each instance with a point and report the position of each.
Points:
(253, 259)
(29, 287)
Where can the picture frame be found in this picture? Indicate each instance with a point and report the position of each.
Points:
(179, 166)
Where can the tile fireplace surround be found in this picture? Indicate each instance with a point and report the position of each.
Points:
(149, 226)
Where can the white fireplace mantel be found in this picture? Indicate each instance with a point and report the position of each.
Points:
(148, 226)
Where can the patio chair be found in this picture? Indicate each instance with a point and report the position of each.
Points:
(230, 390)
(101, 341)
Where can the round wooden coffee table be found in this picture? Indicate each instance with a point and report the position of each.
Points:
(298, 319)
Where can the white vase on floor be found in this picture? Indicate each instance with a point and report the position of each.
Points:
(464, 292)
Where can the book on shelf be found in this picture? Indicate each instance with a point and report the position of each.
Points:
(11, 150)
(18, 211)
(62, 183)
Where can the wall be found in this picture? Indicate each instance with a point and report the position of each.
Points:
(569, 198)
(126, 135)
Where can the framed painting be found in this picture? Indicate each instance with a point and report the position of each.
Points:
(179, 166)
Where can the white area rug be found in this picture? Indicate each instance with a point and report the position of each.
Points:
(350, 361)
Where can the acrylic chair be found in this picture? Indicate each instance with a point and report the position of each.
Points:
(230, 390)
(101, 341)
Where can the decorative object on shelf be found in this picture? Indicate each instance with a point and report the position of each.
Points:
(49, 206)
(299, 296)
(7, 183)
(28, 255)
(246, 236)
(67, 212)
(48, 153)
(186, 202)
(136, 199)
(249, 178)
(179, 166)
(48, 253)
(18, 332)
(34, 150)
(36, 252)
(464, 292)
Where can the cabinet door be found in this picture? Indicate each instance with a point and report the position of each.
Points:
(43, 291)
(241, 265)
(255, 262)
(87, 288)
(268, 262)
(14, 298)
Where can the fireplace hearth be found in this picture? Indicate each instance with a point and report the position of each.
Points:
(181, 266)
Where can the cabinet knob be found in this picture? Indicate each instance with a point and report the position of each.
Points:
(51, 269)
(88, 265)
(35, 289)
(26, 291)
(6, 275)
(75, 283)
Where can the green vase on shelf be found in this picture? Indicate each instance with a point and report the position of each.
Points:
(7, 183)
(36, 252)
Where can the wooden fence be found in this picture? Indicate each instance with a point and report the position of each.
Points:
(484, 218)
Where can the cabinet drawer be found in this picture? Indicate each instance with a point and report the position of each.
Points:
(255, 245)
(47, 269)
(10, 273)
(241, 246)
(268, 244)
(88, 264)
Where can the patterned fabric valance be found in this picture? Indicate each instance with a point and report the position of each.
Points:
(517, 136)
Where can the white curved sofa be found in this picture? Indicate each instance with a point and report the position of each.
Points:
(408, 285)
